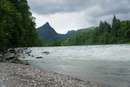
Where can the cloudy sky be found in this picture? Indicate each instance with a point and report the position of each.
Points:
(64, 15)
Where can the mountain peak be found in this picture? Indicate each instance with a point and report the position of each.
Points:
(47, 33)
(46, 24)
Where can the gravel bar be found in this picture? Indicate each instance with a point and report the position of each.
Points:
(19, 75)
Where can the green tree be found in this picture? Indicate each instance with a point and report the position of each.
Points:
(115, 29)
(17, 26)
(104, 34)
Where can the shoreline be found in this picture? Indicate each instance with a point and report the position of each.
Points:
(20, 75)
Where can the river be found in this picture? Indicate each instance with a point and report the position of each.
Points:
(108, 65)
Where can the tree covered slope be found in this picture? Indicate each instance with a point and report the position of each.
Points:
(17, 28)
(117, 33)
(49, 35)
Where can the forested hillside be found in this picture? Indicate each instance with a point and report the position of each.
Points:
(50, 37)
(17, 27)
(47, 33)
(117, 33)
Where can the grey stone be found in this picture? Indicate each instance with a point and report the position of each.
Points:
(9, 55)
(38, 57)
(45, 52)
(1, 56)
(12, 51)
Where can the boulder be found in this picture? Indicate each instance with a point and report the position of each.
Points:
(9, 56)
(25, 62)
(1, 56)
(45, 52)
(38, 57)
(12, 51)
(15, 60)
(28, 52)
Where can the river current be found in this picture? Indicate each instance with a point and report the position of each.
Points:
(108, 65)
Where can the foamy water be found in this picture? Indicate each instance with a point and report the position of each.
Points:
(108, 65)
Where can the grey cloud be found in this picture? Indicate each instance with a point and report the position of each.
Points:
(57, 6)
(110, 7)
(106, 7)
(91, 11)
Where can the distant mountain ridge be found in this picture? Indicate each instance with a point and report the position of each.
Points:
(48, 34)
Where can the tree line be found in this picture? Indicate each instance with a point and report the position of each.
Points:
(17, 26)
(116, 33)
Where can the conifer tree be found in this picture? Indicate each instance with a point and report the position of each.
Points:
(17, 26)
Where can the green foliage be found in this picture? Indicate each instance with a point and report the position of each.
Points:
(56, 43)
(49, 35)
(118, 33)
(16, 25)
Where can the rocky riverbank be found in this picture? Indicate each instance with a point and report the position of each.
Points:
(19, 75)
(12, 56)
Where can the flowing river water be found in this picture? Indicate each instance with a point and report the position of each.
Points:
(108, 65)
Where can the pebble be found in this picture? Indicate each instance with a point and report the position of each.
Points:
(19, 75)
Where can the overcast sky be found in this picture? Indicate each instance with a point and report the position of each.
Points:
(64, 15)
